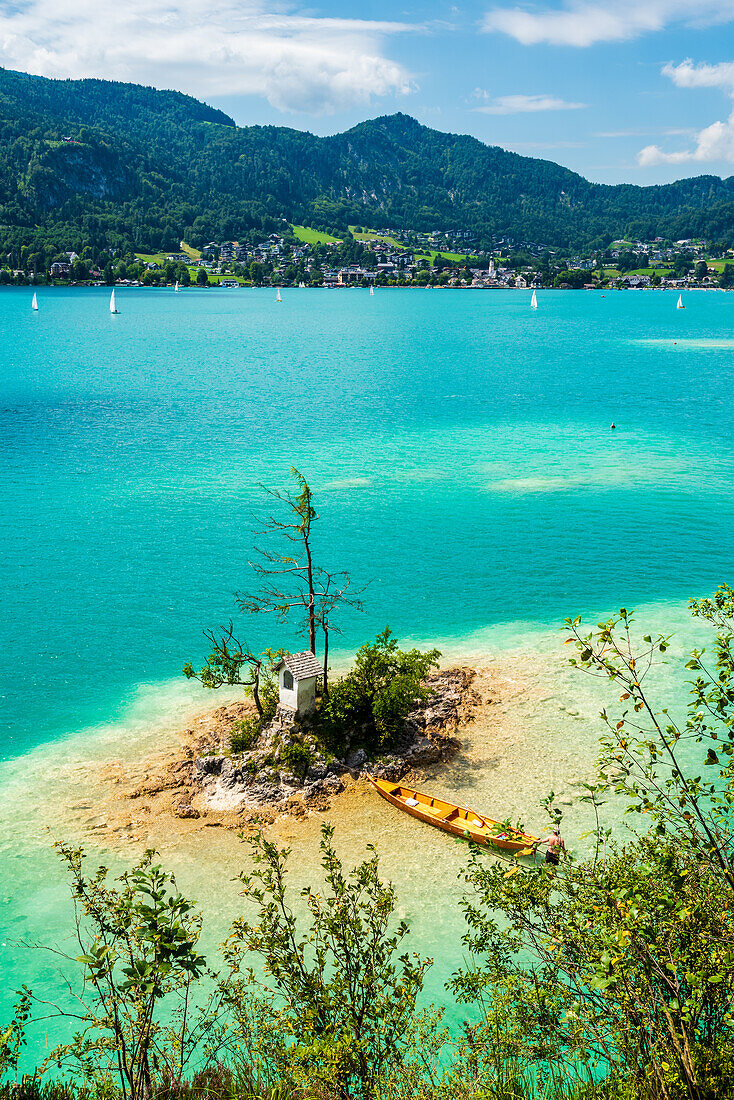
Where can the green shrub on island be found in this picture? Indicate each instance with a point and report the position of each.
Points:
(374, 699)
(269, 695)
(298, 757)
(244, 734)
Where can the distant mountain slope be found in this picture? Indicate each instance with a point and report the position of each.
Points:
(467, 183)
(93, 161)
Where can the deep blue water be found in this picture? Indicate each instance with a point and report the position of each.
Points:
(459, 446)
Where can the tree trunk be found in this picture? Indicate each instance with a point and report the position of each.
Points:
(326, 660)
(256, 689)
(311, 598)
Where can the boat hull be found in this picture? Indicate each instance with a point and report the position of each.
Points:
(457, 820)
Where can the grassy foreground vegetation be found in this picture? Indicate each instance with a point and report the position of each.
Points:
(613, 978)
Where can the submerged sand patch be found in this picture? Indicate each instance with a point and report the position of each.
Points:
(686, 343)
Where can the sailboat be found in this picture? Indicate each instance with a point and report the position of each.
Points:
(534, 301)
(177, 286)
(302, 286)
(113, 308)
(278, 297)
(679, 303)
(34, 303)
(372, 291)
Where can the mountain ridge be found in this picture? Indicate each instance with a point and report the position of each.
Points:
(93, 161)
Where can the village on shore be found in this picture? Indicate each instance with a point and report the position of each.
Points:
(386, 257)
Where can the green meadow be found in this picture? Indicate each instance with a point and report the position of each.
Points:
(313, 236)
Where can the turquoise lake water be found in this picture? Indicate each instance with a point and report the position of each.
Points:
(459, 447)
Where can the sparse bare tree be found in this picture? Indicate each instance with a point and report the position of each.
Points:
(291, 583)
(333, 591)
(288, 578)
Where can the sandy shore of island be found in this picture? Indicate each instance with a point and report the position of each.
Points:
(524, 738)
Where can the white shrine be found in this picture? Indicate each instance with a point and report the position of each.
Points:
(297, 676)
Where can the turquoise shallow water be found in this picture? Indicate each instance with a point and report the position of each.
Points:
(460, 450)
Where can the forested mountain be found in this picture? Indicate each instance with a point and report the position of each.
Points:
(92, 162)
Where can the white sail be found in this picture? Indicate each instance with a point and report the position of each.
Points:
(372, 290)
(278, 297)
(303, 285)
(177, 286)
(534, 301)
(34, 303)
(113, 308)
(679, 304)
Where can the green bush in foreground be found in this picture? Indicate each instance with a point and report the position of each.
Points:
(138, 938)
(13, 1037)
(336, 1009)
(625, 963)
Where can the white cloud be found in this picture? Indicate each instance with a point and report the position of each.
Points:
(714, 142)
(688, 75)
(586, 22)
(298, 63)
(521, 104)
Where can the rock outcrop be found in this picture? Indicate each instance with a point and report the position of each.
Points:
(264, 775)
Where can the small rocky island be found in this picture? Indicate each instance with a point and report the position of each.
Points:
(286, 768)
(295, 738)
(265, 775)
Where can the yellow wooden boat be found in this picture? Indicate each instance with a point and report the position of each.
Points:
(456, 819)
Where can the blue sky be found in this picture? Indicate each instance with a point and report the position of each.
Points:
(629, 90)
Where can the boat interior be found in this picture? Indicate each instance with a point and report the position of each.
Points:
(441, 811)
(457, 816)
(445, 811)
